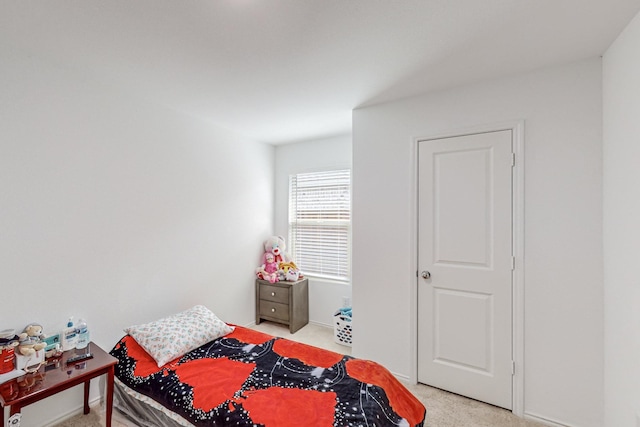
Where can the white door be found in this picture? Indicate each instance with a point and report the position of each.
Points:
(465, 244)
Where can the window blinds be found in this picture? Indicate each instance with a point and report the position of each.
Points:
(320, 223)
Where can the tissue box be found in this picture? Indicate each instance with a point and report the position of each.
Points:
(23, 362)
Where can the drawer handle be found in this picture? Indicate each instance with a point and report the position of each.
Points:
(273, 294)
(273, 310)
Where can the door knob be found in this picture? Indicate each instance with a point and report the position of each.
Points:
(426, 274)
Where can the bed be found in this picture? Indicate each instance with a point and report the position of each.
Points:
(248, 378)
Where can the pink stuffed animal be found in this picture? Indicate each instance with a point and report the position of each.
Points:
(268, 270)
(271, 267)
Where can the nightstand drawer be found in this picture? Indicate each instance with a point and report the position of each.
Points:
(274, 293)
(274, 310)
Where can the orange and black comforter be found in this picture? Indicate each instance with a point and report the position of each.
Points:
(248, 378)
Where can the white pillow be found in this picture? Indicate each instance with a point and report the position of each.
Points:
(172, 337)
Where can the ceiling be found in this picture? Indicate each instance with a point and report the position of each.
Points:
(280, 71)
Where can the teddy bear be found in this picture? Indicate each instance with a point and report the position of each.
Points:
(30, 340)
(277, 246)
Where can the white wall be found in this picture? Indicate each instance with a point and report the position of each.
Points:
(310, 156)
(119, 212)
(621, 95)
(562, 109)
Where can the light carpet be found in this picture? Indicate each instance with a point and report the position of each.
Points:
(444, 409)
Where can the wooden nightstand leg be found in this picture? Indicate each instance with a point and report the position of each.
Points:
(87, 384)
(109, 403)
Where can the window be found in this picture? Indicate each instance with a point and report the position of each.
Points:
(320, 223)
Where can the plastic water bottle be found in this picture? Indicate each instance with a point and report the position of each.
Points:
(83, 334)
(69, 336)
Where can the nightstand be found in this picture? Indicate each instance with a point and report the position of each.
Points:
(283, 302)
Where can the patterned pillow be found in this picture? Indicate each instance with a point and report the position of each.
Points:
(172, 337)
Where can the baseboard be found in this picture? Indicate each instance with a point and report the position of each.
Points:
(403, 378)
(73, 412)
(546, 421)
(324, 325)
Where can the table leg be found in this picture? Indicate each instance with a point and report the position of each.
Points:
(109, 403)
(87, 384)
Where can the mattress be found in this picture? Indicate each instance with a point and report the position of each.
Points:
(248, 378)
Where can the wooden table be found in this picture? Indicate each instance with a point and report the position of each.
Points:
(49, 380)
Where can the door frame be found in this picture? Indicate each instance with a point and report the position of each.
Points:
(517, 303)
